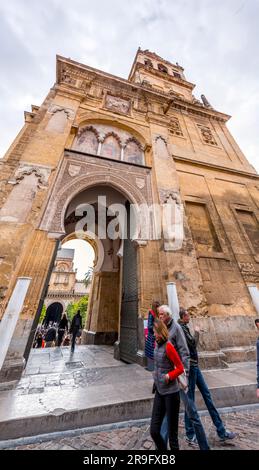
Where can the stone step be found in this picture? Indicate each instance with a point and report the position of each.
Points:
(222, 358)
(118, 394)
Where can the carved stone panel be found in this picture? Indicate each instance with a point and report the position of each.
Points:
(117, 104)
(206, 135)
(175, 127)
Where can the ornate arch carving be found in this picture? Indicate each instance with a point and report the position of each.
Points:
(112, 134)
(25, 170)
(90, 128)
(85, 119)
(133, 139)
(53, 220)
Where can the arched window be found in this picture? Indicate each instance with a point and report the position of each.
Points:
(148, 62)
(111, 148)
(87, 142)
(133, 153)
(162, 68)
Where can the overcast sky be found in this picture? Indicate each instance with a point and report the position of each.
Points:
(216, 41)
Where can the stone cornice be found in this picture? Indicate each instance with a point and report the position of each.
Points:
(88, 75)
(215, 167)
(195, 108)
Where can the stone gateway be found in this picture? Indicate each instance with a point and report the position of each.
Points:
(142, 141)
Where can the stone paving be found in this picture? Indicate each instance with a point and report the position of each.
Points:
(245, 422)
(60, 391)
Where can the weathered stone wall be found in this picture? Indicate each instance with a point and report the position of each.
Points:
(192, 163)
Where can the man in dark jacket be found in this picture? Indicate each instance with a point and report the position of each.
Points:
(196, 378)
(76, 325)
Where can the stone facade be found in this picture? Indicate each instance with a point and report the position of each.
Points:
(148, 140)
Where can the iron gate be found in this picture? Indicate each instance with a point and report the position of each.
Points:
(129, 303)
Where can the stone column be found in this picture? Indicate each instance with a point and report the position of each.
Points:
(11, 315)
(103, 314)
(173, 299)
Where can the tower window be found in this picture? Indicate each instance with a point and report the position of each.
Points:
(162, 68)
(148, 62)
(176, 74)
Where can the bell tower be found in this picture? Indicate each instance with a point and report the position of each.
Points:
(151, 71)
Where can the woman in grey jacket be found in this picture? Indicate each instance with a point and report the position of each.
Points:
(167, 367)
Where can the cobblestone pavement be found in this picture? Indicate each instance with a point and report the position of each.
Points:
(244, 421)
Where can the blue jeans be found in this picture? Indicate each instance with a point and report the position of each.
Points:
(191, 411)
(196, 378)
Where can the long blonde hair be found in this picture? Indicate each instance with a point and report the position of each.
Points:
(161, 329)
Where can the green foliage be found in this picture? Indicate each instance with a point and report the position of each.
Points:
(43, 313)
(88, 277)
(81, 305)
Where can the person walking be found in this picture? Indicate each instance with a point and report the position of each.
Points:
(76, 325)
(177, 338)
(62, 328)
(50, 337)
(196, 378)
(167, 367)
(150, 341)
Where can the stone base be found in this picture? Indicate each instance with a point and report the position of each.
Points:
(212, 360)
(221, 359)
(240, 354)
(11, 371)
(141, 359)
(116, 351)
(99, 337)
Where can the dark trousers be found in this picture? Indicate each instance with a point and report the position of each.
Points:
(74, 334)
(169, 405)
(196, 378)
(192, 413)
(60, 336)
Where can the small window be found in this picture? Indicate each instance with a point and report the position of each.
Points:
(177, 75)
(148, 62)
(162, 68)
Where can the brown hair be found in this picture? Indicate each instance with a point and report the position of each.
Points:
(161, 329)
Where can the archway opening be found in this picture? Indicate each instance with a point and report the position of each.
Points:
(102, 214)
(53, 314)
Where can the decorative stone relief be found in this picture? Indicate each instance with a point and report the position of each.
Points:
(117, 104)
(66, 77)
(58, 120)
(140, 182)
(175, 127)
(54, 108)
(206, 135)
(169, 196)
(249, 272)
(247, 268)
(27, 180)
(18, 204)
(41, 173)
(74, 170)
